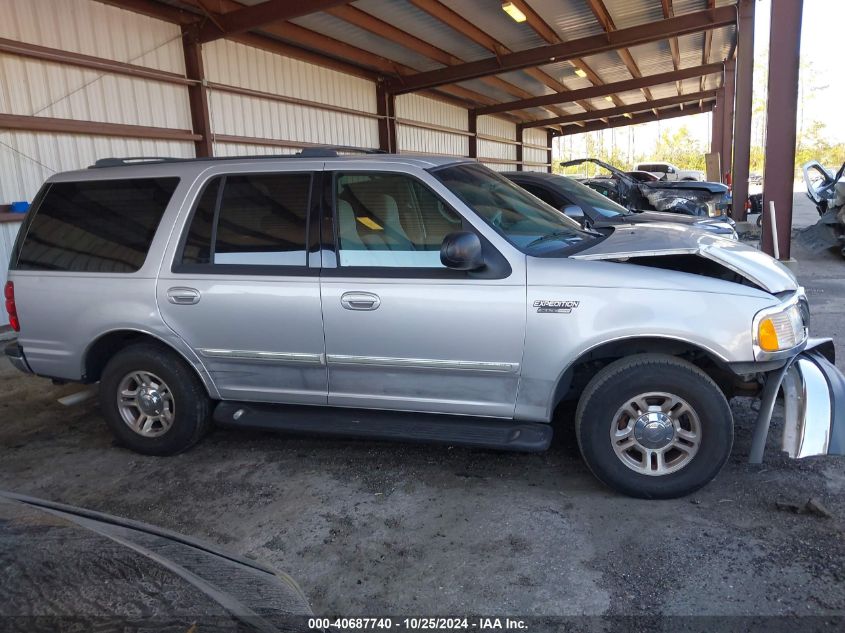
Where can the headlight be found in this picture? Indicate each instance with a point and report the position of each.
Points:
(780, 328)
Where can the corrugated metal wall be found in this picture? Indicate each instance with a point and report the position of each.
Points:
(243, 66)
(39, 88)
(411, 138)
(534, 136)
(501, 150)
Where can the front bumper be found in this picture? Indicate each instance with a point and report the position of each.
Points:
(814, 404)
(14, 353)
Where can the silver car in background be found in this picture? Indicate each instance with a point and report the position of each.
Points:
(421, 298)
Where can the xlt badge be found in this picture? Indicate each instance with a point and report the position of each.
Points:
(560, 307)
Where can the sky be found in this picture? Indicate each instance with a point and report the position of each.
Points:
(821, 93)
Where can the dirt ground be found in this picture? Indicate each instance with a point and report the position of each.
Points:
(373, 528)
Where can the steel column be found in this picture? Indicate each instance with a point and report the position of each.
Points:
(782, 111)
(743, 105)
(472, 140)
(729, 85)
(550, 135)
(197, 93)
(717, 126)
(520, 137)
(386, 109)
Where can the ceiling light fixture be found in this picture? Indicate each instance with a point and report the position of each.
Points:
(628, 115)
(512, 10)
(580, 72)
(609, 98)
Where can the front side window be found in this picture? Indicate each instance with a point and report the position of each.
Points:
(102, 226)
(390, 220)
(250, 220)
(526, 222)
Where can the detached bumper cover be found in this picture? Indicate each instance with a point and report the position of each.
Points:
(14, 353)
(814, 405)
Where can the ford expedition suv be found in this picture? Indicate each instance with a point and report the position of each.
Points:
(421, 298)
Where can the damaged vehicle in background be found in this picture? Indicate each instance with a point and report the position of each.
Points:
(702, 199)
(827, 191)
(593, 210)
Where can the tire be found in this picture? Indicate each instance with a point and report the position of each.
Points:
(164, 384)
(682, 450)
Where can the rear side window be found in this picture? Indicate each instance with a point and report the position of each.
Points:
(103, 226)
(250, 220)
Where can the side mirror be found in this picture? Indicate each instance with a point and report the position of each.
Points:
(575, 212)
(461, 251)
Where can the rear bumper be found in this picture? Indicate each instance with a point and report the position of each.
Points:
(814, 404)
(14, 353)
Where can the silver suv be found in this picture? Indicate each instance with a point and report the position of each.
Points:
(422, 298)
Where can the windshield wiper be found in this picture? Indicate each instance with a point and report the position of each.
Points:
(550, 236)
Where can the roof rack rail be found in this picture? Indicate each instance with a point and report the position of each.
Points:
(317, 151)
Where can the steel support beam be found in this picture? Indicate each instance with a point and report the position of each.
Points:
(743, 103)
(472, 139)
(646, 117)
(520, 138)
(642, 34)
(782, 111)
(716, 126)
(386, 109)
(550, 137)
(257, 15)
(197, 94)
(628, 109)
(729, 84)
(93, 128)
(601, 91)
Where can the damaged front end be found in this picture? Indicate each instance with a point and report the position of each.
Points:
(813, 401)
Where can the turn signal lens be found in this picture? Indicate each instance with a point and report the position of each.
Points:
(767, 337)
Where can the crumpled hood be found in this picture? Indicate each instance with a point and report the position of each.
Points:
(658, 239)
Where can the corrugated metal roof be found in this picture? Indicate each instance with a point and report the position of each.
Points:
(571, 19)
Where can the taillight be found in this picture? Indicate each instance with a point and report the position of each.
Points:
(11, 308)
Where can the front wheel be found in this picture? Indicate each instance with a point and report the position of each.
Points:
(654, 426)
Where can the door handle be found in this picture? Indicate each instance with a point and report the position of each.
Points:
(360, 301)
(183, 296)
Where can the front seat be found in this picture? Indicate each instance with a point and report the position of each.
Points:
(384, 209)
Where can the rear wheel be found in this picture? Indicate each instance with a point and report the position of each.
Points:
(153, 401)
(654, 426)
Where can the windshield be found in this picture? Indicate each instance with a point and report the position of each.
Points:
(525, 221)
(581, 194)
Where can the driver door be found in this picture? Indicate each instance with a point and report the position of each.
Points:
(402, 331)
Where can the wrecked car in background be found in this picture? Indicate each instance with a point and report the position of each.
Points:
(710, 199)
(592, 210)
(827, 191)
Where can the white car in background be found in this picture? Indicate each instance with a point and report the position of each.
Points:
(668, 171)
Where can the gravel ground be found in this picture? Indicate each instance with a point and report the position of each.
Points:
(374, 528)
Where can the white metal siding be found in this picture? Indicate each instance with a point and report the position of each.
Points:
(38, 88)
(8, 232)
(534, 136)
(243, 66)
(250, 149)
(433, 112)
(36, 156)
(491, 126)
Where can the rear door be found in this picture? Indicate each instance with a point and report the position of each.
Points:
(238, 288)
(402, 331)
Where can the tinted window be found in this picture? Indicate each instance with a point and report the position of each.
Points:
(390, 220)
(257, 220)
(545, 196)
(95, 226)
